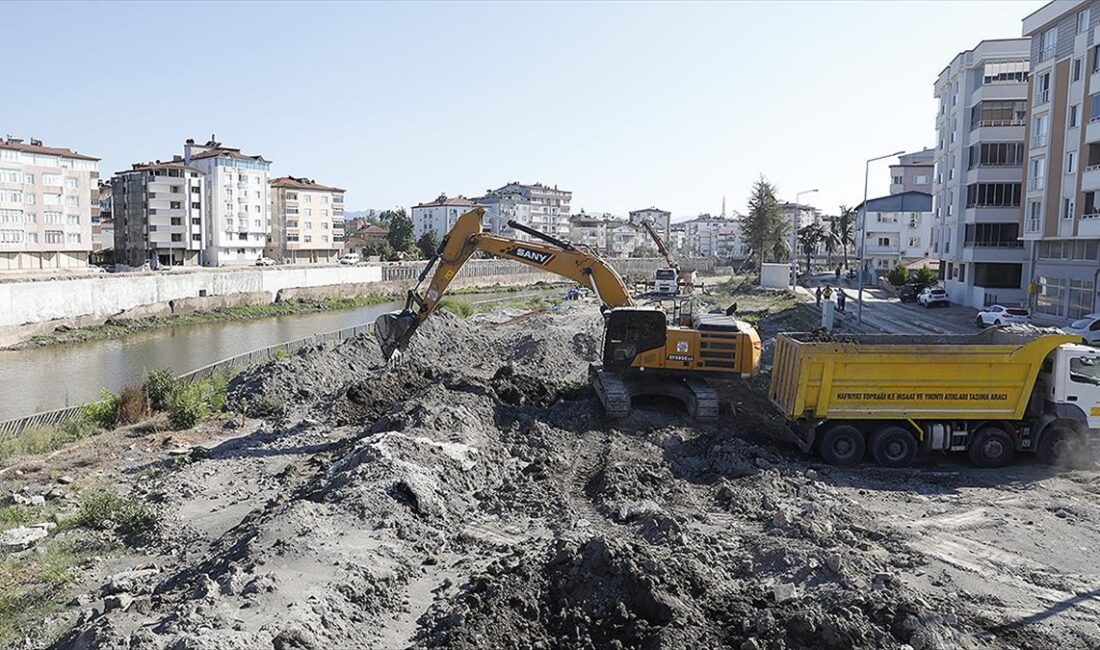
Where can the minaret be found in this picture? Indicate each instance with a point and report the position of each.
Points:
(723, 206)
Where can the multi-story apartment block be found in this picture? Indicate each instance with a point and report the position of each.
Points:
(1060, 216)
(623, 238)
(440, 214)
(913, 172)
(661, 220)
(159, 209)
(307, 221)
(899, 229)
(707, 235)
(978, 174)
(46, 209)
(538, 206)
(805, 215)
(103, 231)
(589, 230)
(237, 202)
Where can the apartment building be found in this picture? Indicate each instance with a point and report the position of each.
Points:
(237, 202)
(307, 221)
(159, 211)
(1060, 216)
(589, 230)
(913, 172)
(805, 215)
(623, 238)
(898, 229)
(538, 206)
(440, 214)
(708, 235)
(978, 173)
(103, 229)
(46, 209)
(660, 220)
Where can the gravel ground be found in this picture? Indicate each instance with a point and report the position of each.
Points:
(474, 496)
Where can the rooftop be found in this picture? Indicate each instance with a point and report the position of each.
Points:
(911, 201)
(36, 146)
(175, 163)
(292, 183)
(443, 199)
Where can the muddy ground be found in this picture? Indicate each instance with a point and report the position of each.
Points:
(474, 496)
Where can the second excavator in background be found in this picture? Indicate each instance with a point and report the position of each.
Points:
(643, 353)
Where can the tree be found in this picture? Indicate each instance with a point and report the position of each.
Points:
(830, 241)
(808, 240)
(381, 248)
(400, 235)
(925, 275)
(843, 227)
(645, 250)
(898, 275)
(428, 243)
(763, 227)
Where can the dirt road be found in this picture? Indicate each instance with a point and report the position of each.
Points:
(476, 497)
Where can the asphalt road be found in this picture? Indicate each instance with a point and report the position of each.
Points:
(883, 312)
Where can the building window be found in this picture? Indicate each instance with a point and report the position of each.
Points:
(195, 205)
(175, 205)
(177, 237)
(1074, 115)
(28, 179)
(1048, 42)
(307, 238)
(1042, 89)
(995, 195)
(1067, 208)
(54, 236)
(921, 179)
(11, 216)
(51, 180)
(996, 154)
(176, 189)
(72, 183)
(53, 218)
(72, 201)
(1077, 65)
(73, 219)
(176, 221)
(1083, 21)
(11, 196)
(1071, 162)
(998, 113)
(196, 237)
(195, 189)
(1005, 73)
(32, 238)
(1037, 174)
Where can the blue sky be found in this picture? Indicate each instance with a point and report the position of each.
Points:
(626, 104)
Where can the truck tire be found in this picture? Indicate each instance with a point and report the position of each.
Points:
(1063, 447)
(842, 445)
(991, 447)
(894, 446)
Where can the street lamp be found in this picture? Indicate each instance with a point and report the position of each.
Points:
(863, 229)
(794, 238)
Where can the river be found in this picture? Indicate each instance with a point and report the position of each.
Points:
(53, 377)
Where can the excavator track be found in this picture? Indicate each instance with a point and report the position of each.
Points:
(612, 391)
(704, 404)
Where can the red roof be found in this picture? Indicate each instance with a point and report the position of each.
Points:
(292, 183)
(38, 148)
(443, 199)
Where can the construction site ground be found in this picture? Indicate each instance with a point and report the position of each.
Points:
(474, 495)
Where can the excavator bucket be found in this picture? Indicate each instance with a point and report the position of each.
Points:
(394, 330)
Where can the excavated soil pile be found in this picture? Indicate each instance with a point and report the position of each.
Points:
(475, 498)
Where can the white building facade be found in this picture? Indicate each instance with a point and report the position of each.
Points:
(978, 175)
(307, 221)
(898, 229)
(660, 220)
(440, 214)
(537, 206)
(707, 235)
(237, 202)
(46, 206)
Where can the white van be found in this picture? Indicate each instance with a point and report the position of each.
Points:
(350, 258)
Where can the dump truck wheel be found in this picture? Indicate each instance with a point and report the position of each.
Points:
(842, 445)
(991, 447)
(1063, 447)
(894, 447)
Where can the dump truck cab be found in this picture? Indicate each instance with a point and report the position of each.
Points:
(1070, 381)
(665, 282)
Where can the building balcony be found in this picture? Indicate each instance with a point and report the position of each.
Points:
(1042, 97)
(1090, 178)
(1010, 214)
(1089, 226)
(1035, 184)
(1002, 133)
(1001, 91)
(995, 174)
(1092, 130)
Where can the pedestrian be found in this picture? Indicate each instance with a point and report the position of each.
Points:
(838, 272)
(841, 298)
(827, 293)
(817, 294)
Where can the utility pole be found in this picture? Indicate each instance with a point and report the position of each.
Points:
(861, 241)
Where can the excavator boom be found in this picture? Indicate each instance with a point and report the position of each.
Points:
(395, 329)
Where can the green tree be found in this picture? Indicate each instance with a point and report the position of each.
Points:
(765, 231)
(809, 238)
(645, 250)
(381, 248)
(428, 243)
(400, 235)
(843, 230)
(925, 275)
(898, 275)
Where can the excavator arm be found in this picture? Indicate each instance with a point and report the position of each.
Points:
(660, 245)
(394, 330)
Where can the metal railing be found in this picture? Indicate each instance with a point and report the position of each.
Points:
(16, 426)
(1015, 122)
(1042, 97)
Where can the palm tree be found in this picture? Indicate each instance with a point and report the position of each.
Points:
(843, 228)
(830, 240)
(808, 240)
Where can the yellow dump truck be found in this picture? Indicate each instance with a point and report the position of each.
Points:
(989, 394)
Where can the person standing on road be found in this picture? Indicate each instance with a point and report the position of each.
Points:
(817, 294)
(841, 298)
(827, 292)
(838, 272)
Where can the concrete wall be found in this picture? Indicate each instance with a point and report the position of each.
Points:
(775, 276)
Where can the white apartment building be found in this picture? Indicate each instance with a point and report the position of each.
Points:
(440, 214)
(46, 206)
(159, 211)
(707, 235)
(913, 172)
(1060, 215)
(661, 220)
(623, 238)
(589, 230)
(899, 229)
(237, 202)
(804, 214)
(978, 174)
(307, 221)
(538, 206)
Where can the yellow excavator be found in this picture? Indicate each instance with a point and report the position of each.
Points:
(643, 354)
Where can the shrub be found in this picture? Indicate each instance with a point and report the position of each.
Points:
(188, 404)
(158, 385)
(131, 406)
(460, 308)
(100, 510)
(104, 412)
(898, 275)
(925, 275)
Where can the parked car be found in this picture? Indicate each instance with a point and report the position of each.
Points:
(1087, 328)
(1001, 315)
(909, 292)
(933, 296)
(349, 258)
(265, 261)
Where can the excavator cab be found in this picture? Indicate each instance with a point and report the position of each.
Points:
(630, 331)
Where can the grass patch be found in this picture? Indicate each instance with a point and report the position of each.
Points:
(247, 312)
(43, 440)
(35, 586)
(13, 516)
(132, 518)
(460, 308)
(189, 403)
(524, 304)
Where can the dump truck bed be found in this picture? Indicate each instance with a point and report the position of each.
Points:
(988, 375)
